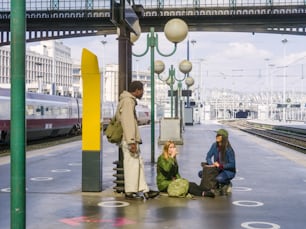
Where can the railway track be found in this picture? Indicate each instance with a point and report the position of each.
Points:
(286, 137)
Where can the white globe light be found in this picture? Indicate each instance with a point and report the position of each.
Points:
(169, 81)
(185, 66)
(133, 36)
(189, 81)
(176, 30)
(159, 66)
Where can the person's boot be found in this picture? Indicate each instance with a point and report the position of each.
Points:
(151, 194)
(218, 190)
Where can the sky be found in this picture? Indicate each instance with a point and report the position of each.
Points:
(235, 61)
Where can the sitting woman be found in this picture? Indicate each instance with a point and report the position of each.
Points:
(168, 171)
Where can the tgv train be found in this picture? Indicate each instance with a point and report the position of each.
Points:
(46, 115)
(109, 109)
(50, 116)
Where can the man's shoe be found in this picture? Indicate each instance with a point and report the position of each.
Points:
(151, 194)
(131, 195)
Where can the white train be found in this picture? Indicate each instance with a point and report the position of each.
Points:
(109, 109)
(50, 116)
(46, 115)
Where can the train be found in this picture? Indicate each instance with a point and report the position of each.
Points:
(109, 109)
(51, 115)
(46, 115)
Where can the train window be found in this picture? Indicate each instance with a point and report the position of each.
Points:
(64, 110)
(55, 110)
(29, 110)
(5, 109)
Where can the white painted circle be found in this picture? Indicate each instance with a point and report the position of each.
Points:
(242, 189)
(113, 204)
(248, 203)
(41, 178)
(60, 170)
(248, 225)
(75, 164)
(8, 189)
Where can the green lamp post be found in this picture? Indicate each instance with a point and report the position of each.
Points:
(175, 31)
(185, 67)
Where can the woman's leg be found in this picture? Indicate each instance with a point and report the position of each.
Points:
(222, 178)
(194, 189)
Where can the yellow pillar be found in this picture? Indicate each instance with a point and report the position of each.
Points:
(91, 118)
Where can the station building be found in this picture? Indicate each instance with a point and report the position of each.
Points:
(49, 69)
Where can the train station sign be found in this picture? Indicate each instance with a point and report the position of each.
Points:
(184, 93)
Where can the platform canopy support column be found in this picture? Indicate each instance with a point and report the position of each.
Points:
(18, 139)
(91, 131)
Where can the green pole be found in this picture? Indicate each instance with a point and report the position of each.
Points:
(18, 124)
(171, 74)
(152, 45)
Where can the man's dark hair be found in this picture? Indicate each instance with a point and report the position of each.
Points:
(135, 85)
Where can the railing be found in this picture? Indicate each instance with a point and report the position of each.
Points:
(54, 5)
(277, 16)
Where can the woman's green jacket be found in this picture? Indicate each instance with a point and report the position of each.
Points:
(167, 170)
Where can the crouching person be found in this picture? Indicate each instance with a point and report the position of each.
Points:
(220, 157)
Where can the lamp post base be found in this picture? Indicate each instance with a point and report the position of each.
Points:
(170, 129)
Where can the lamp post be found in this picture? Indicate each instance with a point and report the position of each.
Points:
(103, 42)
(170, 81)
(185, 67)
(176, 31)
(284, 41)
(271, 92)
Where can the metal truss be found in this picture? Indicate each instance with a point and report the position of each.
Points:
(268, 18)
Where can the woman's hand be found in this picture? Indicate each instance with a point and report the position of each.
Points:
(216, 164)
(174, 152)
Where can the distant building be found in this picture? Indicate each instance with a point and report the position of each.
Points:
(49, 68)
(110, 86)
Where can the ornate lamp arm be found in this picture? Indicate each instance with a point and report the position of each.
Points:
(165, 55)
(180, 80)
(147, 49)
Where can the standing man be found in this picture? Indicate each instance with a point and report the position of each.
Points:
(134, 177)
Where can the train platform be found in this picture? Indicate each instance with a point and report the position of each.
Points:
(295, 124)
(269, 190)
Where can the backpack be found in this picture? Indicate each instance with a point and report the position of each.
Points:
(114, 131)
(209, 175)
(178, 188)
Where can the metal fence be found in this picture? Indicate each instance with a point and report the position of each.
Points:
(49, 5)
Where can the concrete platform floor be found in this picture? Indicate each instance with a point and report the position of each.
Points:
(269, 190)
